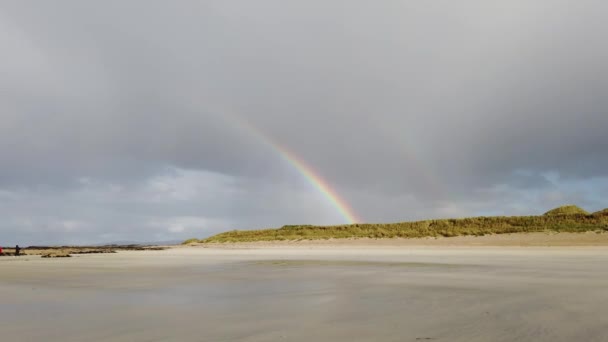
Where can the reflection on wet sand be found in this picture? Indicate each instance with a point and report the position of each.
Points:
(303, 294)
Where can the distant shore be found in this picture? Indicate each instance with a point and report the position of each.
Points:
(537, 239)
(67, 251)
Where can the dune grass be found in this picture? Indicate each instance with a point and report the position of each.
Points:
(566, 210)
(566, 219)
(601, 212)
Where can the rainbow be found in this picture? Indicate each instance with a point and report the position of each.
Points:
(305, 170)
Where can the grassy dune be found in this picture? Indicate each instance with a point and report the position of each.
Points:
(562, 219)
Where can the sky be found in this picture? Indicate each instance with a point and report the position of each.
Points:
(164, 120)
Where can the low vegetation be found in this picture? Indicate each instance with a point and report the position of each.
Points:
(566, 210)
(68, 251)
(562, 219)
(601, 212)
(56, 255)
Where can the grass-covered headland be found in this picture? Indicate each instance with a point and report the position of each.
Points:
(563, 219)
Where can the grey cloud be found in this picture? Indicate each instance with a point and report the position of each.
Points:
(409, 110)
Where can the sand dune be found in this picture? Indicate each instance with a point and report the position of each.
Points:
(540, 239)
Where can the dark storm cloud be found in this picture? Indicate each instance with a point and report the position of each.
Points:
(445, 108)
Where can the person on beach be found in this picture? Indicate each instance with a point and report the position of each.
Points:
(17, 250)
(1, 251)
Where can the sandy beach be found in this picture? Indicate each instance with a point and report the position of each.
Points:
(310, 293)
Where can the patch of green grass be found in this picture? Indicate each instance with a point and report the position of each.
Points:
(191, 241)
(563, 219)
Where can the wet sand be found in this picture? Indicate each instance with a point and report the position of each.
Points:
(310, 293)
